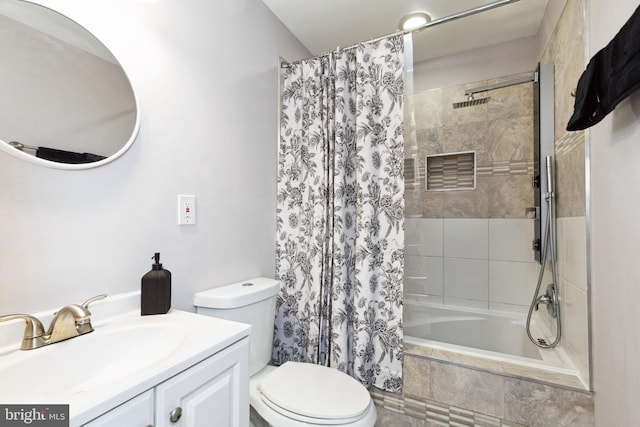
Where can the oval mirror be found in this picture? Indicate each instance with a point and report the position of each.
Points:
(66, 102)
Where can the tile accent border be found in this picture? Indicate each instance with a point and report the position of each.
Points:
(568, 142)
(432, 412)
(524, 167)
(405, 410)
(513, 167)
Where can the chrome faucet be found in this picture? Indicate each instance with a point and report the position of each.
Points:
(69, 322)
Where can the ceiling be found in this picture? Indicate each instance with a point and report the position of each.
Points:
(324, 25)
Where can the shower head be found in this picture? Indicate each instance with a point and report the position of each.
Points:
(471, 102)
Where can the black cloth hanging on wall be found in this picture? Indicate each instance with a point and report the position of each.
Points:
(62, 156)
(611, 75)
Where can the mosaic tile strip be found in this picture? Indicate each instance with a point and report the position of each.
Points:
(410, 170)
(415, 408)
(434, 413)
(486, 421)
(569, 141)
(461, 417)
(516, 167)
(438, 413)
(451, 171)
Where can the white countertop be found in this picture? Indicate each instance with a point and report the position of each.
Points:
(124, 356)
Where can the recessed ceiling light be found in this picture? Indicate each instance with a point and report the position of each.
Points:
(414, 20)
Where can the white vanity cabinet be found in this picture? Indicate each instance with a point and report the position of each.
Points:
(135, 412)
(213, 392)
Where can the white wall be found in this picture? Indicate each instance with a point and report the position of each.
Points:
(615, 203)
(574, 302)
(513, 57)
(503, 59)
(208, 94)
(549, 22)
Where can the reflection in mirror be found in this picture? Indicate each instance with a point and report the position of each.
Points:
(66, 101)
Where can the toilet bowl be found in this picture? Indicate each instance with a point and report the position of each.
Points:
(293, 394)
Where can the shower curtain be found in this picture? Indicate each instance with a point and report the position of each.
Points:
(340, 213)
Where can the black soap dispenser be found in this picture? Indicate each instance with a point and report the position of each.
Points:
(156, 289)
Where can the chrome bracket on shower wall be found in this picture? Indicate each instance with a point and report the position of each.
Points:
(544, 145)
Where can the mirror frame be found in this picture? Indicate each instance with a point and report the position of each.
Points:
(4, 145)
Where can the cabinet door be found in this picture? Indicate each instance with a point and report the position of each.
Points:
(213, 393)
(137, 412)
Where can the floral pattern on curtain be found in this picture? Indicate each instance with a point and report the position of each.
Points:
(340, 213)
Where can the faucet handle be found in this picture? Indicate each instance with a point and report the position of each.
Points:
(83, 325)
(33, 331)
(93, 299)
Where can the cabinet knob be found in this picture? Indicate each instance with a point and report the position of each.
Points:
(175, 415)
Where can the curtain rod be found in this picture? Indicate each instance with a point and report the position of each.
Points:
(443, 20)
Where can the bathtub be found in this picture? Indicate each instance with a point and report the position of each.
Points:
(487, 340)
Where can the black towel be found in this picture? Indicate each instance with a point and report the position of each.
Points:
(611, 75)
(62, 156)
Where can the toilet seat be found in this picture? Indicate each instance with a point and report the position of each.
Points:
(309, 392)
(309, 420)
(297, 394)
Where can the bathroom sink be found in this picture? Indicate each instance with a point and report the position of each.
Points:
(125, 355)
(106, 355)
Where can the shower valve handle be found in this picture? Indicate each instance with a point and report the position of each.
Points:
(543, 299)
(550, 298)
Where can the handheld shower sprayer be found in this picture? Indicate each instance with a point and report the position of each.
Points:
(550, 298)
(550, 174)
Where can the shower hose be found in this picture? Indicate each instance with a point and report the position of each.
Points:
(548, 254)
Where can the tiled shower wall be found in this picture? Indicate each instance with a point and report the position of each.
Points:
(465, 247)
(440, 394)
(566, 50)
(481, 263)
(473, 247)
(499, 131)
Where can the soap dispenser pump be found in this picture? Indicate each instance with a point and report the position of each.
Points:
(156, 289)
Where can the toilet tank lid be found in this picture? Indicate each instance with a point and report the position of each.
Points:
(237, 294)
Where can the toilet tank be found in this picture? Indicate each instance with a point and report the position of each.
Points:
(251, 301)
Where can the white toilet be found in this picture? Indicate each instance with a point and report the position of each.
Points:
(294, 394)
